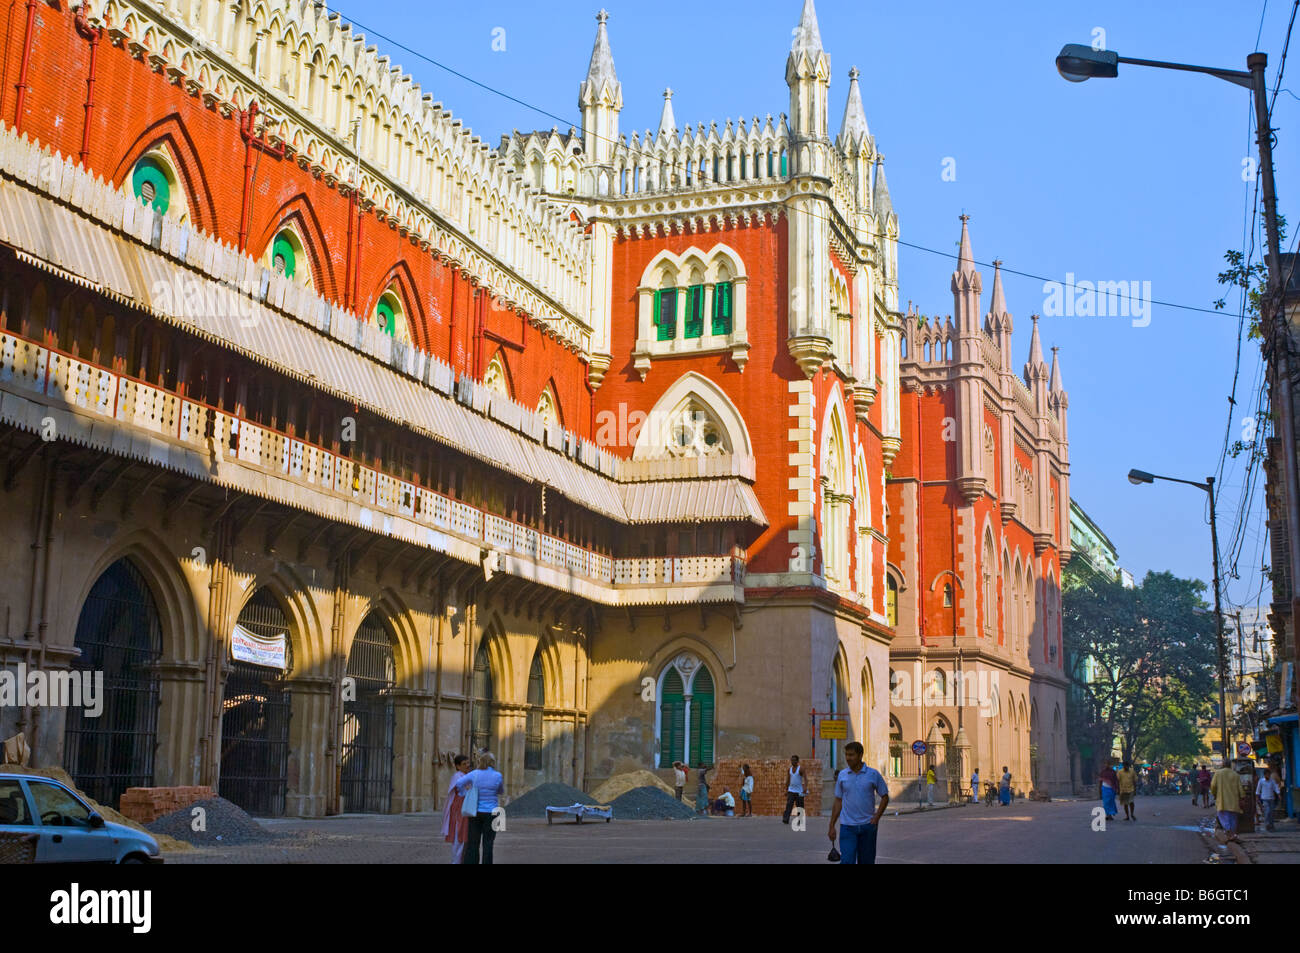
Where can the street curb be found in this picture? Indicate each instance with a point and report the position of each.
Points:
(1239, 855)
(927, 810)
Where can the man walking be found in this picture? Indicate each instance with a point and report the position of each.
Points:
(975, 786)
(1266, 790)
(794, 789)
(1225, 786)
(1203, 781)
(930, 781)
(856, 788)
(1128, 791)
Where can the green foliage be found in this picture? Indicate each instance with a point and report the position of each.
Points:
(1252, 279)
(1152, 654)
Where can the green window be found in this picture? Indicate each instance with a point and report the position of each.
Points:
(702, 718)
(666, 313)
(694, 311)
(151, 186)
(672, 720)
(283, 258)
(384, 313)
(783, 166)
(722, 308)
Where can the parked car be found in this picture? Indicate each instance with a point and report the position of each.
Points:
(69, 831)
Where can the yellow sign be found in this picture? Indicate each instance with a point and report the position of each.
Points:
(834, 729)
(1274, 743)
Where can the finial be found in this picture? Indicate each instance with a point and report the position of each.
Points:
(602, 16)
(853, 73)
(997, 262)
(668, 93)
(963, 216)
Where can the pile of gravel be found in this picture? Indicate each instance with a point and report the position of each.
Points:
(650, 804)
(535, 802)
(225, 824)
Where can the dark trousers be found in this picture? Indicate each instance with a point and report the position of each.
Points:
(858, 843)
(480, 831)
(791, 800)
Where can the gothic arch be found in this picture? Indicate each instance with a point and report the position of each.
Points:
(496, 375)
(497, 645)
(307, 633)
(400, 275)
(689, 643)
(170, 131)
(173, 593)
(298, 213)
(406, 640)
(652, 439)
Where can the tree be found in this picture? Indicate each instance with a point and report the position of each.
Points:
(1150, 661)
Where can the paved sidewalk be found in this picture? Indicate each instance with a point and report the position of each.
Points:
(1282, 846)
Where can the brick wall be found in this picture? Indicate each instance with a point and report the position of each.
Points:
(770, 778)
(146, 805)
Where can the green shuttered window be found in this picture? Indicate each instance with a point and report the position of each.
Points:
(666, 313)
(694, 311)
(722, 304)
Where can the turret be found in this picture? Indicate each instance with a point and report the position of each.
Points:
(600, 97)
(998, 320)
(968, 354)
(854, 143)
(667, 121)
(808, 74)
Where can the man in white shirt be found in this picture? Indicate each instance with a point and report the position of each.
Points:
(679, 778)
(975, 786)
(794, 789)
(1266, 790)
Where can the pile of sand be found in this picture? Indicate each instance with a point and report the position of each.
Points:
(107, 813)
(620, 784)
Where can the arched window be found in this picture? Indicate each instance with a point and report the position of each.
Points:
(154, 183)
(938, 687)
(695, 432)
(482, 736)
(390, 316)
(547, 408)
(891, 601)
(369, 720)
(835, 500)
(685, 717)
(533, 738)
(120, 636)
(494, 378)
(287, 256)
(947, 595)
(895, 748)
(989, 568)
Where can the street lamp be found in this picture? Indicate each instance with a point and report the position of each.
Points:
(1138, 477)
(1078, 62)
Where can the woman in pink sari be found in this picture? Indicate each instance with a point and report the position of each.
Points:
(455, 828)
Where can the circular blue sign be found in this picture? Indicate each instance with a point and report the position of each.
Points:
(918, 747)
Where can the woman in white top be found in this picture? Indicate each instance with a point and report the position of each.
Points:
(746, 792)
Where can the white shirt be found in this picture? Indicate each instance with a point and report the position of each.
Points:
(680, 776)
(727, 799)
(796, 780)
(748, 786)
(1267, 789)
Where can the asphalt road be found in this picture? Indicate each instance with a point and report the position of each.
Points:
(1025, 832)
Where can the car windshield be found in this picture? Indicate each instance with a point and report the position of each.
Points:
(56, 807)
(13, 806)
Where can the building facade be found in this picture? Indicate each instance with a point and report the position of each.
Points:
(979, 529)
(340, 442)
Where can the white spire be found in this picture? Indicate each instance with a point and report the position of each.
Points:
(601, 70)
(853, 129)
(667, 122)
(807, 37)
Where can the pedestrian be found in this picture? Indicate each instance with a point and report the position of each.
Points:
(1226, 788)
(1128, 791)
(455, 825)
(679, 778)
(856, 788)
(702, 791)
(1109, 784)
(1193, 784)
(1266, 790)
(746, 792)
(726, 803)
(794, 788)
(975, 786)
(930, 780)
(488, 786)
(1004, 789)
(1203, 782)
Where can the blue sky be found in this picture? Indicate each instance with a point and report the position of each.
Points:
(1137, 178)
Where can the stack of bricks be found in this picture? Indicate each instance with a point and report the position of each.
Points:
(771, 776)
(146, 805)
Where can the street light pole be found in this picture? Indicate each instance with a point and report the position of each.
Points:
(1078, 62)
(1218, 626)
(1138, 477)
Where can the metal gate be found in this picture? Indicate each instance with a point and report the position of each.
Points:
(256, 707)
(119, 634)
(367, 770)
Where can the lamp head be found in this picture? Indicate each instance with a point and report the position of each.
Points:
(1077, 62)
(1138, 477)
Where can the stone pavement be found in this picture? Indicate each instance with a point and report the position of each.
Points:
(1025, 832)
(1282, 846)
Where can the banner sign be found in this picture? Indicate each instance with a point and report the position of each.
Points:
(834, 729)
(247, 647)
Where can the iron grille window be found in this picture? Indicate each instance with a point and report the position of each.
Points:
(256, 707)
(368, 721)
(533, 736)
(119, 634)
(481, 728)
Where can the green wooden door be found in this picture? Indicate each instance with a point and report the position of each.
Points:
(672, 720)
(702, 718)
